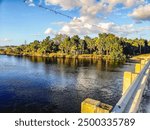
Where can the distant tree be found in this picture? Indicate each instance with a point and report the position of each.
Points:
(90, 43)
(107, 45)
(45, 46)
(18, 50)
(116, 52)
(66, 45)
(100, 43)
(82, 46)
(9, 50)
(75, 41)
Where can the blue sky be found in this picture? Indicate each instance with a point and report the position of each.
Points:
(21, 21)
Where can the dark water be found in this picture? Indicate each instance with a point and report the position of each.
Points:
(29, 84)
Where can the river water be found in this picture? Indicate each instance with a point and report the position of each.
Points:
(35, 84)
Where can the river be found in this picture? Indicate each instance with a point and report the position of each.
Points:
(54, 85)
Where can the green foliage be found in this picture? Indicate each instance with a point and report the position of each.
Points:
(9, 50)
(18, 50)
(90, 43)
(65, 45)
(105, 45)
(116, 52)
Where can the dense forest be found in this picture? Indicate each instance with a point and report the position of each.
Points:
(105, 46)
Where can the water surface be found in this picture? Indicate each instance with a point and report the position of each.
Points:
(35, 84)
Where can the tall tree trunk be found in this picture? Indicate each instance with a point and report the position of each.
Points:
(107, 53)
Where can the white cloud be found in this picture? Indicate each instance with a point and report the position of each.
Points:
(81, 26)
(88, 22)
(65, 4)
(147, 28)
(5, 40)
(78, 26)
(93, 6)
(49, 31)
(30, 3)
(141, 13)
(127, 3)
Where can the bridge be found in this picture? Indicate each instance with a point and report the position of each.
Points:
(134, 87)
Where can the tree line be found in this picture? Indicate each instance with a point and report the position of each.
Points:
(106, 46)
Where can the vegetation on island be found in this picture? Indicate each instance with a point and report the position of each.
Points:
(105, 46)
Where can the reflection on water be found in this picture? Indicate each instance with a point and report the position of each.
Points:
(35, 84)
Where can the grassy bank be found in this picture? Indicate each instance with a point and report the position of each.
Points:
(59, 55)
(80, 56)
(142, 56)
(67, 56)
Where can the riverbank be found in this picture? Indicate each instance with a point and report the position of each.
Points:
(79, 56)
(63, 55)
(68, 56)
(142, 56)
(58, 55)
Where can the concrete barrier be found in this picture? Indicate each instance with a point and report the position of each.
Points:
(89, 105)
(138, 68)
(93, 106)
(128, 79)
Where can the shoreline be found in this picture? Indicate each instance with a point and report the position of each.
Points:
(80, 56)
(59, 55)
(141, 56)
(68, 56)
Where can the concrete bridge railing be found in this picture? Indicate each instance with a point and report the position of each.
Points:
(134, 85)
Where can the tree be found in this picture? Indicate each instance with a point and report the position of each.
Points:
(59, 38)
(65, 45)
(90, 43)
(100, 43)
(35, 46)
(9, 50)
(18, 50)
(108, 45)
(82, 46)
(116, 52)
(141, 44)
(45, 46)
(75, 43)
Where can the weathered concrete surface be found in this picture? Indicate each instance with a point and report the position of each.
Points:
(93, 106)
(145, 104)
